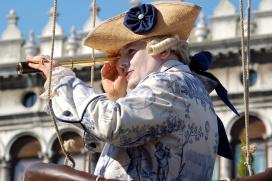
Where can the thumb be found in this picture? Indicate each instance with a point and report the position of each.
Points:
(120, 70)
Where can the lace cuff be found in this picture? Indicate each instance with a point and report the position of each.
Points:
(57, 74)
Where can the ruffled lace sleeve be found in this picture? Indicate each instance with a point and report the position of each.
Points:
(57, 74)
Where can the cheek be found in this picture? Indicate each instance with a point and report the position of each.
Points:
(135, 62)
(148, 66)
(139, 58)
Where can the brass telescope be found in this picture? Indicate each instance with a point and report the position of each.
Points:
(23, 68)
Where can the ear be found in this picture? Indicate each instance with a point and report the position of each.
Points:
(165, 54)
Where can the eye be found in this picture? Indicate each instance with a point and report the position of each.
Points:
(131, 52)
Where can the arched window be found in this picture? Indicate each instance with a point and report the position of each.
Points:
(256, 132)
(77, 154)
(24, 152)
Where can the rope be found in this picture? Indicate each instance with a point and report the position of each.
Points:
(93, 58)
(66, 154)
(89, 155)
(245, 78)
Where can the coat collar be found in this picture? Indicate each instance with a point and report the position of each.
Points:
(174, 64)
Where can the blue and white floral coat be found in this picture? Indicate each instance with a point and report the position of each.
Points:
(164, 129)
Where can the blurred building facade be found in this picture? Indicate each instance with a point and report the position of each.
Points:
(26, 131)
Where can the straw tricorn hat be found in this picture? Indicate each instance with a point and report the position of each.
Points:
(170, 18)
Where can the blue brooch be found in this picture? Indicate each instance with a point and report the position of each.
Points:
(141, 19)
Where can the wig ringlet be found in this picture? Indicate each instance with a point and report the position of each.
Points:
(178, 47)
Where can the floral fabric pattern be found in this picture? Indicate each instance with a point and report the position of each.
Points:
(163, 130)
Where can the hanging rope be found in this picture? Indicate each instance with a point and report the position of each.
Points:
(90, 155)
(66, 154)
(93, 57)
(245, 63)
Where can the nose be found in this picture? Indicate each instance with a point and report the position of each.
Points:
(123, 63)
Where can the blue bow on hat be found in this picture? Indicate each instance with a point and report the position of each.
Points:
(141, 19)
(200, 62)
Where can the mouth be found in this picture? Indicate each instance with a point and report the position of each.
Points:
(128, 73)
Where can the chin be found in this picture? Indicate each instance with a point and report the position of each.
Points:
(131, 85)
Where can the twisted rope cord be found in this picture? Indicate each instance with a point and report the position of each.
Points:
(93, 58)
(245, 77)
(89, 155)
(66, 154)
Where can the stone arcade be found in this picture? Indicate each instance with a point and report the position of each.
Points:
(27, 134)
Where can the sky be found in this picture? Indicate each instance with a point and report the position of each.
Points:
(33, 14)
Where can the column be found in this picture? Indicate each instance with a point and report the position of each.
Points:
(225, 168)
(44, 157)
(269, 153)
(5, 167)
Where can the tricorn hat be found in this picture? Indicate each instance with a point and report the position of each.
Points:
(141, 22)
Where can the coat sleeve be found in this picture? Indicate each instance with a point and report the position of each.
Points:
(148, 111)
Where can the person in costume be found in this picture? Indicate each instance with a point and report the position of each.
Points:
(156, 118)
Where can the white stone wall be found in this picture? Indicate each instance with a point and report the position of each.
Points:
(11, 101)
(224, 26)
(230, 78)
(10, 51)
(45, 48)
(222, 29)
(264, 23)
